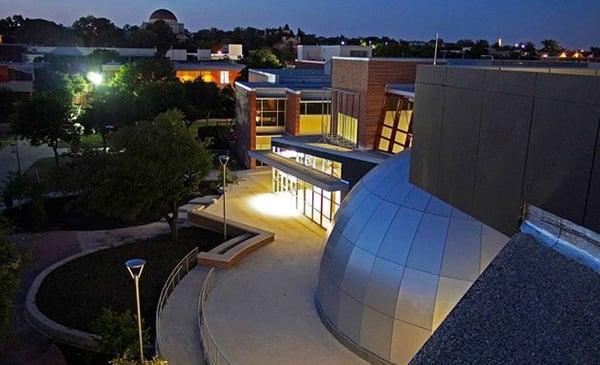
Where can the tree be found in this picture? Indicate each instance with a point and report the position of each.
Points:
(263, 58)
(151, 166)
(98, 32)
(595, 51)
(10, 267)
(46, 118)
(132, 76)
(202, 100)
(165, 38)
(157, 97)
(551, 47)
(119, 333)
(227, 102)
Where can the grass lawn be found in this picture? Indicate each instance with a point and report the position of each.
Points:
(75, 293)
(5, 141)
(43, 167)
(90, 140)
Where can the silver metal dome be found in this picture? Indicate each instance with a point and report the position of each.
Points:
(395, 264)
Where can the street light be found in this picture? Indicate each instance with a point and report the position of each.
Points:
(223, 159)
(135, 267)
(95, 78)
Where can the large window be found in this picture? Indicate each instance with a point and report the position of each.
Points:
(347, 127)
(395, 128)
(314, 117)
(270, 112)
(224, 77)
(315, 203)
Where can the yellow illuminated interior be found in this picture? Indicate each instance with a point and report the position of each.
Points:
(314, 124)
(347, 127)
(187, 76)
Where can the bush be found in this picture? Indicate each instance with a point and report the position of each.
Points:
(217, 135)
(119, 333)
(127, 359)
(10, 266)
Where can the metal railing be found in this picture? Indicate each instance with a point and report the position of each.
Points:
(183, 267)
(212, 353)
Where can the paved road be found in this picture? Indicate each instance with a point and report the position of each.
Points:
(179, 334)
(28, 155)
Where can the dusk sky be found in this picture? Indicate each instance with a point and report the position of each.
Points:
(574, 23)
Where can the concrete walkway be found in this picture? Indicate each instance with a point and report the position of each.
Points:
(179, 333)
(262, 311)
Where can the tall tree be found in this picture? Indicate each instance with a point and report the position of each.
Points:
(151, 166)
(46, 118)
(98, 32)
(551, 47)
(202, 99)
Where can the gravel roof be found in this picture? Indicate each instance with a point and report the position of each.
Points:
(532, 305)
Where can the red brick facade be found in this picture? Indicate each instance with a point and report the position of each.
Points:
(292, 113)
(368, 78)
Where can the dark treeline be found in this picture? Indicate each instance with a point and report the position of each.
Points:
(94, 32)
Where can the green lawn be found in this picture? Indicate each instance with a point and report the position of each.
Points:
(6, 140)
(75, 293)
(89, 140)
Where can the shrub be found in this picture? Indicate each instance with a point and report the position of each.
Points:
(10, 266)
(119, 333)
(127, 359)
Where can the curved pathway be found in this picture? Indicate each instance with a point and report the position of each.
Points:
(262, 311)
(179, 334)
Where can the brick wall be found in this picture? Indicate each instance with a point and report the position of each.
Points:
(292, 113)
(368, 79)
(245, 129)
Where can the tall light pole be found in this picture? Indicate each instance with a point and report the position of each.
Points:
(135, 267)
(224, 159)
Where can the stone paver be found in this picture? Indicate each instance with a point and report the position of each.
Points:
(179, 334)
(262, 311)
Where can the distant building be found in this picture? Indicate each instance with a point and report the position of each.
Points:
(169, 18)
(320, 56)
(221, 73)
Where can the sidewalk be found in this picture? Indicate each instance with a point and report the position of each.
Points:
(179, 333)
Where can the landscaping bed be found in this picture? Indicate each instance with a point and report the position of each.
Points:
(74, 294)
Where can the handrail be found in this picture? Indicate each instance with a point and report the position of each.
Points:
(187, 263)
(212, 353)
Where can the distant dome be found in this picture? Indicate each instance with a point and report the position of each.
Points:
(163, 14)
(395, 264)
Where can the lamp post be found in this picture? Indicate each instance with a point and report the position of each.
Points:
(224, 159)
(135, 267)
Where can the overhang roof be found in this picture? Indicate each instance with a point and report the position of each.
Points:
(302, 172)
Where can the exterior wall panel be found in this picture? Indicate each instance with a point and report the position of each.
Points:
(503, 139)
(559, 163)
(536, 143)
(458, 146)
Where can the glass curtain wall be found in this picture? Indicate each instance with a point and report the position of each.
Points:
(315, 203)
(345, 109)
(330, 167)
(395, 128)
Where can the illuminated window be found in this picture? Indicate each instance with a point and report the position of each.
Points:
(347, 127)
(270, 112)
(224, 77)
(314, 117)
(315, 203)
(395, 129)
